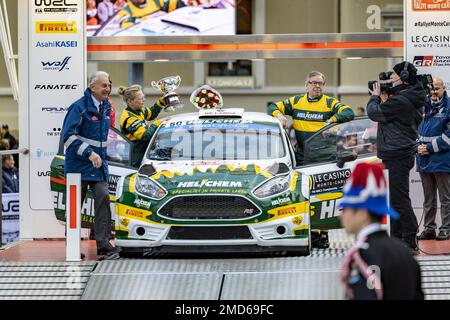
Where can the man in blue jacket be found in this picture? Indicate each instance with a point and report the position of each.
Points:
(433, 161)
(85, 133)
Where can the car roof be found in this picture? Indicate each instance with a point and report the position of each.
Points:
(253, 116)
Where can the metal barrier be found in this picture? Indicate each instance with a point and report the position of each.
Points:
(73, 217)
(6, 153)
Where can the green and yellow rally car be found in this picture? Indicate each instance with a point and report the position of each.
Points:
(225, 181)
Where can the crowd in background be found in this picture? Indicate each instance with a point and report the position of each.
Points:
(10, 176)
(7, 140)
(99, 11)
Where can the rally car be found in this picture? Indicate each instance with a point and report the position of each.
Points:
(225, 180)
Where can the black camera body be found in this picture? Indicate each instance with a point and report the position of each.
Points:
(385, 76)
(386, 85)
(385, 82)
(427, 82)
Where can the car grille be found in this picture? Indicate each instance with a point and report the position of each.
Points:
(209, 208)
(209, 233)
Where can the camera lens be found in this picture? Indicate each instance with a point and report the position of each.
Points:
(384, 76)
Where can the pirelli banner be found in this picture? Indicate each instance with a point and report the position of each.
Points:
(427, 36)
(57, 60)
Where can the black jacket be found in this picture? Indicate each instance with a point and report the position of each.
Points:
(398, 119)
(10, 180)
(11, 139)
(399, 271)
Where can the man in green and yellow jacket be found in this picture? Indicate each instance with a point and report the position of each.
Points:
(136, 11)
(310, 111)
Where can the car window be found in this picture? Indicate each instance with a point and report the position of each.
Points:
(358, 136)
(218, 139)
(118, 148)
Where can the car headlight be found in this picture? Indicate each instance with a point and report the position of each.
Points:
(272, 187)
(150, 188)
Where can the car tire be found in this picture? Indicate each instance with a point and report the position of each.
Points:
(130, 254)
(298, 251)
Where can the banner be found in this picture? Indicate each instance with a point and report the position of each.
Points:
(427, 37)
(427, 46)
(56, 80)
(10, 217)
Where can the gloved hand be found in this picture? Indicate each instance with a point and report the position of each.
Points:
(162, 102)
(283, 120)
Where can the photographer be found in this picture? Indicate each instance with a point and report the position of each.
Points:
(398, 118)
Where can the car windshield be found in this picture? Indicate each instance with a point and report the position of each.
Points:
(217, 139)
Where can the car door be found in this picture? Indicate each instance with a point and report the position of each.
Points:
(120, 153)
(329, 157)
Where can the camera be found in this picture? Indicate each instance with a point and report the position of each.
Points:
(427, 82)
(384, 87)
(384, 76)
(385, 82)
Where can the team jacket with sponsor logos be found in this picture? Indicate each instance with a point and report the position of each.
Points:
(134, 125)
(434, 131)
(132, 14)
(310, 115)
(85, 130)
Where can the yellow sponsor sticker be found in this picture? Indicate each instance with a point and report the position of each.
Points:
(297, 220)
(125, 222)
(289, 210)
(134, 213)
(56, 27)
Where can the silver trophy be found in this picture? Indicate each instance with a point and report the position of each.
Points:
(167, 86)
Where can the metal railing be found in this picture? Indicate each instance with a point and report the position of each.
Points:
(6, 153)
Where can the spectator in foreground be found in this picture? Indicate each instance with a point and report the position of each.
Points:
(377, 267)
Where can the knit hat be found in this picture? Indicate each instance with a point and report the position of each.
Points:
(367, 189)
(399, 67)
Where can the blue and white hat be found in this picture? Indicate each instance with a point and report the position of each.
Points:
(367, 189)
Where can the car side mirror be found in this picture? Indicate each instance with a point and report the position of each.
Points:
(345, 156)
(147, 170)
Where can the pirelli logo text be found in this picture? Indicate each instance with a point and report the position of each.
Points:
(287, 211)
(56, 27)
(134, 213)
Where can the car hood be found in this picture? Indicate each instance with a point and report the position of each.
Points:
(207, 177)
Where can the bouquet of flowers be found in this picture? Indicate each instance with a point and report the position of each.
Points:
(206, 97)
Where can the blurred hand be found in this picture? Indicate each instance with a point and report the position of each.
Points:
(422, 150)
(96, 160)
(376, 89)
(283, 120)
(328, 122)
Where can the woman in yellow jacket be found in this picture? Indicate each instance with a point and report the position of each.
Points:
(135, 119)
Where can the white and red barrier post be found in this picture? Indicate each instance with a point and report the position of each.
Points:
(73, 217)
